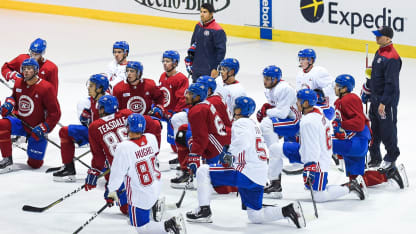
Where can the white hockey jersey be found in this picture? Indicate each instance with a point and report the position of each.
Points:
(315, 136)
(135, 163)
(232, 92)
(282, 97)
(249, 149)
(317, 78)
(116, 73)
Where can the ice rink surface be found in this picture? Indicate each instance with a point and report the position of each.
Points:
(82, 47)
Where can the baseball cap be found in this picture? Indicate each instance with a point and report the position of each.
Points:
(384, 31)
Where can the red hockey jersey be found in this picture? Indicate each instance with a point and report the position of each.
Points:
(209, 133)
(47, 69)
(37, 103)
(173, 89)
(105, 133)
(138, 98)
(351, 110)
(221, 108)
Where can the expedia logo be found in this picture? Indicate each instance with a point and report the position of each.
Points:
(312, 10)
(187, 7)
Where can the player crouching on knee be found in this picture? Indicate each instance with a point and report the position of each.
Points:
(244, 165)
(97, 86)
(135, 164)
(35, 104)
(315, 151)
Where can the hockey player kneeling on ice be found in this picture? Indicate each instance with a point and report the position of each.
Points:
(97, 85)
(314, 152)
(35, 104)
(352, 134)
(135, 164)
(244, 165)
(184, 132)
(209, 133)
(278, 117)
(173, 85)
(105, 134)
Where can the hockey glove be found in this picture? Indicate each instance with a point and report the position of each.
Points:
(38, 132)
(91, 180)
(365, 94)
(7, 107)
(194, 160)
(110, 198)
(339, 132)
(160, 112)
(13, 75)
(262, 112)
(85, 117)
(188, 64)
(226, 158)
(309, 170)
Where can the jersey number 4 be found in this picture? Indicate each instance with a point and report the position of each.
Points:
(147, 174)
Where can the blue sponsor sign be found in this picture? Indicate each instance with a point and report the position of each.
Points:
(266, 19)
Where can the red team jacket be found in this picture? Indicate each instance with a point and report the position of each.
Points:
(47, 70)
(105, 133)
(32, 102)
(352, 115)
(138, 98)
(209, 133)
(173, 89)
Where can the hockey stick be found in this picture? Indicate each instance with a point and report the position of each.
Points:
(5, 83)
(95, 215)
(49, 140)
(92, 218)
(179, 203)
(313, 198)
(52, 169)
(41, 209)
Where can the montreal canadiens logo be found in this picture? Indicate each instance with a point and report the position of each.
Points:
(166, 96)
(26, 106)
(136, 104)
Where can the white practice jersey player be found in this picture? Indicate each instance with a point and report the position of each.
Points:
(315, 136)
(249, 149)
(282, 97)
(317, 78)
(230, 92)
(116, 72)
(135, 164)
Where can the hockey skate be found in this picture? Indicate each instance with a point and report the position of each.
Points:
(175, 225)
(67, 174)
(374, 163)
(158, 209)
(398, 174)
(294, 212)
(201, 214)
(274, 190)
(293, 169)
(182, 179)
(358, 187)
(6, 165)
(173, 163)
